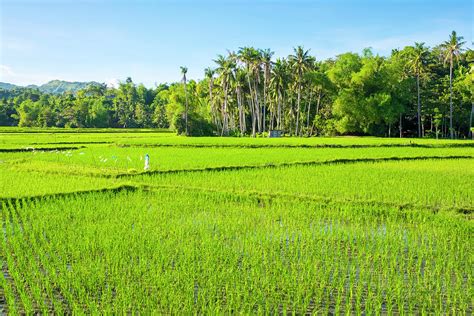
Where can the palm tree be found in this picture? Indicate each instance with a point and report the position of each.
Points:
(225, 70)
(267, 72)
(238, 84)
(452, 49)
(209, 73)
(184, 70)
(249, 57)
(300, 62)
(279, 83)
(416, 64)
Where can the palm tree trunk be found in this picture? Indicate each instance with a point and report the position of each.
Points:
(318, 102)
(279, 110)
(298, 110)
(400, 127)
(252, 111)
(258, 109)
(264, 101)
(244, 119)
(451, 131)
(470, 119)
(282, 112)
(309, 109)
(272, 120)
(252, 106)
(186, 112)
(419, 103)
(444, 128)
(225, 123)
(241, 114)
(213, 109)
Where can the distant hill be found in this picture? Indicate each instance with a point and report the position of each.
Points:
(8, 86)
(54, 86)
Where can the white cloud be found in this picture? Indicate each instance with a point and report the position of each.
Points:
(7, 74)
(6, 71)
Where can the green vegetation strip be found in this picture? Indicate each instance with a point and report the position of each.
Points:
(260, 197)
(37, 130)
(442, 184)
(197, 253)
(73, 142)
(216, 145)
(287, 164)
(267, 197)
(31, 149)
(114, 189)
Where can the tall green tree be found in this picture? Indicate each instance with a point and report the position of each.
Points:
(250, 57)
(452, 48)
(300, 61)
(417, 62)
(184, 71)
(125, 102)
(267, 72)
(225, 66)
(209, 74)
(279, 84)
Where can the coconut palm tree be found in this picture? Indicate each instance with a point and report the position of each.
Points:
(267, 72)
(225, 71)
(250, 58)
(279, 84)
(257, 62)
(417, 59)
(300, 62)
(209, 73)
(184, 70)
(452, 48)
(238, 84)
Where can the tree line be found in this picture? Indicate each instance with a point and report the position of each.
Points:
(417, 91)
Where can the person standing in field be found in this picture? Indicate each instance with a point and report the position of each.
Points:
(147, 162)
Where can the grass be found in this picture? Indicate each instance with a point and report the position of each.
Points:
(428, 183)
(105, 159)
(234, 225)
(152, 137)
(17, 184)
(184, 252)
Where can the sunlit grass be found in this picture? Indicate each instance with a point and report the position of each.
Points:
(200, 234)
(168, 252)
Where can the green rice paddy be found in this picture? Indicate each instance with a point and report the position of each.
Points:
(234, 225)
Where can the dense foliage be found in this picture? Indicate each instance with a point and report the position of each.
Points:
(416, 91)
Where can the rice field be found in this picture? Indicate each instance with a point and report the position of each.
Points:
(234, 225)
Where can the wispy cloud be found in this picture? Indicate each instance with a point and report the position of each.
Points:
(7, 74)
(6, 71)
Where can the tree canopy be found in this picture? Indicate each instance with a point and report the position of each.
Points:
(416, 91)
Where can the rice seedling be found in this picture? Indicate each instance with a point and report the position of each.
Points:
(233, 225)
(211, 252)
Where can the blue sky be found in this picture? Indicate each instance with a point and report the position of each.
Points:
(106, 40)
